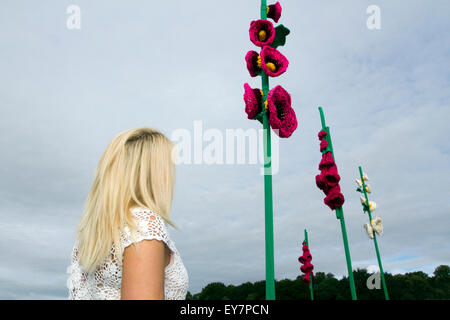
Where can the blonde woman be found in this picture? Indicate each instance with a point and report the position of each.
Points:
(123, 248)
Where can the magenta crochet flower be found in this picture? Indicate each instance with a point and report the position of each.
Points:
(320, 182)
(253, 101)
(331, 176)
(262, 32)
(322, 134)
(273, 62)
(253, 67)
(327, 161)
(307, 278)
(304, 246)
(323, 144)
(305, 257)
(281, 115)
(274, 11)
(307, 267)
(335, 198)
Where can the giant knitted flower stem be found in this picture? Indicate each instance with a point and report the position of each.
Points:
(271, 108)
(367, 209)
(311, 290)
(268, 202)
(339, 210)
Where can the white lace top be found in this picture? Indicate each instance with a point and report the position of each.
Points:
(105, 282)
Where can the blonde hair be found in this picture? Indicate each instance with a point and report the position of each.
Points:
(136, 169)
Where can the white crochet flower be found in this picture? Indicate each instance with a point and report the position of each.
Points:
(377, 225)
(359, 183)
(369, 230)
(372, 204)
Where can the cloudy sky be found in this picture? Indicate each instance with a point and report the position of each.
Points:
(64, 94)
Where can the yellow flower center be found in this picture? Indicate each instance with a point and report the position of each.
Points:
(258, 62)
(271, 66)
(268, 9)
(265, 105)
(262, 35)
(262, 94)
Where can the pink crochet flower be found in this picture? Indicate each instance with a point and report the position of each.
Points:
(305, 257)
(323, 144)
(307, 267)
(335, 198)
(253, 101)
(322, 134)
(306, 279)
(320, 182)
(252, 63)
(281, 115)
(331, 176)
(262, 32)
(327, 161)
(274, 11)
(273, 62)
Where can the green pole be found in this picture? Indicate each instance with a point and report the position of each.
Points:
(340, 214)
(383, 282)
(268, 202)
(311, 290)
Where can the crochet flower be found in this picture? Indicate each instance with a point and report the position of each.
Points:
(327, 161)
(369, 230)
(307, 267)
(305, 257)
(253, 100)
(273, 62)
(372, 204)
(360, 187)
(320, 182)
(327, 179)
(262, 32)
(377, 225)
(304, 246)
(335, 198)
(322, 134)
(306, 279)
(281, 115)
(331, 176)
(253, 61)
(274, 11)
(323, 144)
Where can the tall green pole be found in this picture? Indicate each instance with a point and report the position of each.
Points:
(383, 282)
(268, 202)
(311, 290)
(340, 214)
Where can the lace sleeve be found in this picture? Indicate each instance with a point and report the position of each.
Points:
(150, 226)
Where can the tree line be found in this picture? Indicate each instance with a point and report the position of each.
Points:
(410, 286)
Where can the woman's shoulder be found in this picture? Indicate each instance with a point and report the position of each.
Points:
(150, 225)
(146, 215)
